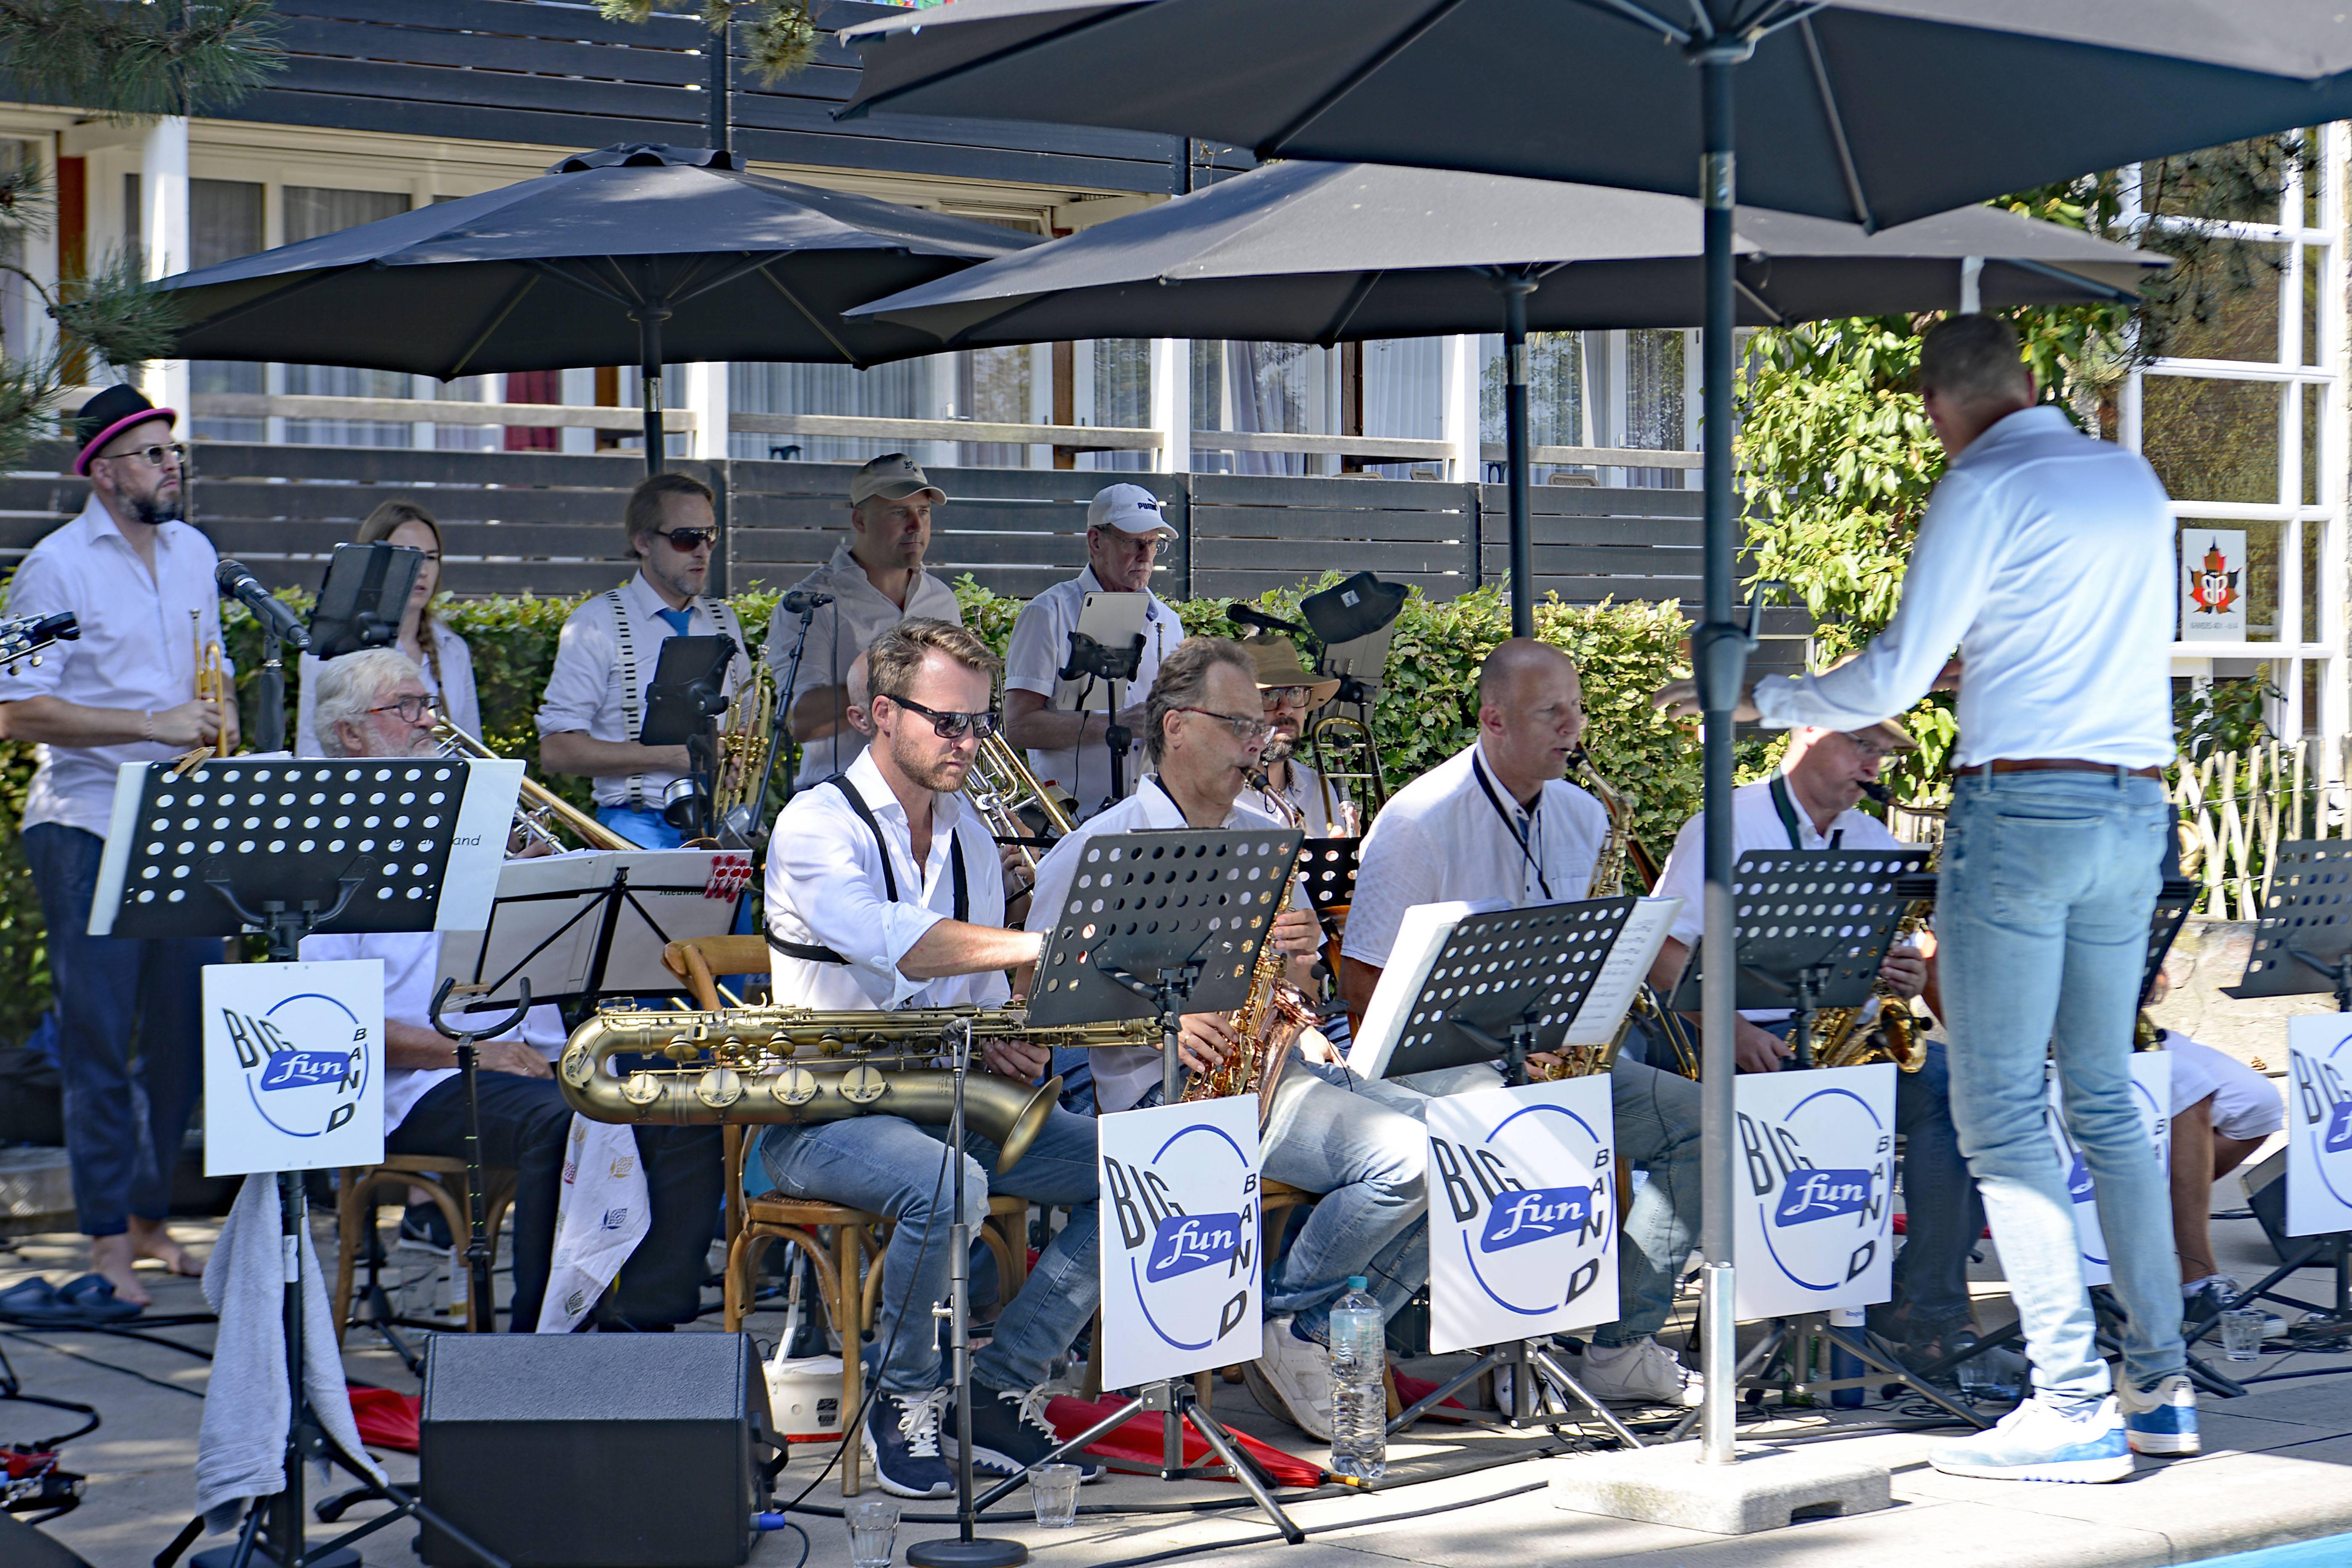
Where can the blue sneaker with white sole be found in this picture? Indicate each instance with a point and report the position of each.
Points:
(2036, 1442)
(2163, 1419)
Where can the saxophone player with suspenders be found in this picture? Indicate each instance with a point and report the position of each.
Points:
(1811, 804)
(883, 893)
(1361, 1144)
(1498, 819)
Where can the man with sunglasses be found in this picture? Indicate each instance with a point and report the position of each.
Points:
(606, 658)
(883, 895)
(872, 582)
(374, 703)
(1066, 724)
(1362, 1145)
(1811, 803)
(141, 581)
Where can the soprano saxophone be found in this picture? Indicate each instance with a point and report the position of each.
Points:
(1272, 1017)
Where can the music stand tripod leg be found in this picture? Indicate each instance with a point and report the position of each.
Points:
(1446, 1390)
(1766, 1348)
(1559, 1373)
(1245, 1472)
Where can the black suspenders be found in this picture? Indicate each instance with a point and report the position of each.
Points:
(818, 953)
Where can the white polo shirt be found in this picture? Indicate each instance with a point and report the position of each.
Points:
(826, 887)
(1755, 825)
(1457, 833)
(1033, 661)
(837, 634)
(137, 650)
(453, 694)
(601, 676)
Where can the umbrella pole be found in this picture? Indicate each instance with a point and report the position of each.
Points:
(1515, 437)
(1720, 657)
(649, 381)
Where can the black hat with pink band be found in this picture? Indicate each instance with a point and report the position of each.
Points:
(110, 414)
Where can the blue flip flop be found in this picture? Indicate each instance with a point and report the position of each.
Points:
(92, 1298)
(35, 1302)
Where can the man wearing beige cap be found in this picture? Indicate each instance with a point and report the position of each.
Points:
(1065, 724)
(872, 582)
(1288, 694)
(1811, 804)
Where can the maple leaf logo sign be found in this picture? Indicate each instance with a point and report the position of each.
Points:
(2212, 586)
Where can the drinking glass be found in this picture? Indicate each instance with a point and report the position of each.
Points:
(873, 1531)
(1053, 1492)
(2242, 1334)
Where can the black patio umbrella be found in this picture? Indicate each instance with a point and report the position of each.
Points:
(1877, 111)
(1323, 253)
(635, 255)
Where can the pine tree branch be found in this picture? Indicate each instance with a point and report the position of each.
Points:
(114, 312)
(126, 60)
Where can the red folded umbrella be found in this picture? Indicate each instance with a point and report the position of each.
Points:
(1137, 1442)
(386, 1420)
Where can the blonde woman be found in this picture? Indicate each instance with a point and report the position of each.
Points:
(431, 646)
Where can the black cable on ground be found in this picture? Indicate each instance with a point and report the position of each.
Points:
(93, 1360)
(12, 1387)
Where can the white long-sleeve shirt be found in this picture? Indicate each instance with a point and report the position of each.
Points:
(825, 889)
(137, 652)
(2047, 559)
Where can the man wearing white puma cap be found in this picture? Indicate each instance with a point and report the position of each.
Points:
(1065, 722)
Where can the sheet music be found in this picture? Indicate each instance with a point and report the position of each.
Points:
(547, 919)
(1421, 935)
(1637, 948)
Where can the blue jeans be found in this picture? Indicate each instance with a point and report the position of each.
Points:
(2048, 881)
(1942, 1213)
(641, 826)
(896, 1168)
(110, 989)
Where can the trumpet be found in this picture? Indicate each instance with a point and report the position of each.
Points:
(742, 1065)
(1000, 787)
(212, 686)
(539, 820)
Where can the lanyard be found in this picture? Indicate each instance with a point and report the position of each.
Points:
(1786, 807)
(1511, 824)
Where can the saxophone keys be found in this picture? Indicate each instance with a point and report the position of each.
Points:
(719, 1089)
(794, 1087)
(864, 1084)
(641, 1088)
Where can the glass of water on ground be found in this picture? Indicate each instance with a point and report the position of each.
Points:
(2242, 1334)
(873, 1531)
(1053, 1492)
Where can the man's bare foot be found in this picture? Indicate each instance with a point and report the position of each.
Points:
(150, 1239)
(110, 1258)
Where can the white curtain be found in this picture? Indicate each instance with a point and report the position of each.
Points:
(311, 211)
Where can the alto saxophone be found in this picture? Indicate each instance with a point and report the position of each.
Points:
(745, 1065)
(1893, 1035)
(1272, 1017)
(1619, 847)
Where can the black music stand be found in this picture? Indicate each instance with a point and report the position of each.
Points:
(1165, 942)
(1503, 985)
(1116, 666)
(2303, 944)
(682, 708)
(1814, 926)
(1327, 869)
(366, 596)
(287, 849)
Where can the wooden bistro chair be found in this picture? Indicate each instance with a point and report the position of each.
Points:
(848, 1271)
(363, 1189)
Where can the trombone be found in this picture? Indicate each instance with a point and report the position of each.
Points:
(1346, 753)
(1001, 788)
(547, 810)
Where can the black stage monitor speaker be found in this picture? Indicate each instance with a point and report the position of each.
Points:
(592, 1450)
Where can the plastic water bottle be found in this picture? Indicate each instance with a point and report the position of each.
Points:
(1359, 1400)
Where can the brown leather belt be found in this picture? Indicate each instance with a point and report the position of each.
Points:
(2061, 766)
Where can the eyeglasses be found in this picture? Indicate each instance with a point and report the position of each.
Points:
(1871, 747)
(687, 541)
(1282, 696)
(411, 709)
(151, 456)
(1245, 729)
(950, 726)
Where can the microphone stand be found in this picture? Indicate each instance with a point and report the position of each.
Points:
(269, 709)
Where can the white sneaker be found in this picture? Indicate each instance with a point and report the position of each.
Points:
(2037, 1443)
(1645, 1373)
(1292, 1381)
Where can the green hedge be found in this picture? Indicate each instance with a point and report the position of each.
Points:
(1426, 711)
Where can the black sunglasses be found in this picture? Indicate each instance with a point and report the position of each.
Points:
(685, 541)
(952, 726)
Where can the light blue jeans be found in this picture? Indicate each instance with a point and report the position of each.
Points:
(641, 826)
(894, 1167)
(2041, 920)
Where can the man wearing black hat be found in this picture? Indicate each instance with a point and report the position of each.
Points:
(141, 581)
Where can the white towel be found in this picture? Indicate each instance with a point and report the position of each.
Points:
(241, 1444)
(600, 1217)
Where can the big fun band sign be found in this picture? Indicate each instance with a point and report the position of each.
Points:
(1522, 1213)
(2318, 1124)
(2152, 1097)
(1813, 1222)
(293, 1066)
(1182, 1280)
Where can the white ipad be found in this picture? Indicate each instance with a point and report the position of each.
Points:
(1114, 620)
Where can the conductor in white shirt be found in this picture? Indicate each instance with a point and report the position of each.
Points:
(610, 648)
(1066, 724)
(2046, 557)
(872, 583)
(140, 581)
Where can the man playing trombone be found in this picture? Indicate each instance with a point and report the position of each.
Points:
(883, 894)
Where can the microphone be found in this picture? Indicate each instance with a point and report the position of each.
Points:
(235, 582)
(801, 601)
(1249, 615)
(1879, 793)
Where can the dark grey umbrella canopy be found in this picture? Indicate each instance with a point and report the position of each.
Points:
(551, 273)
(1882, 111)
(1320, 252)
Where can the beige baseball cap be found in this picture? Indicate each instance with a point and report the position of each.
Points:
(893, 476)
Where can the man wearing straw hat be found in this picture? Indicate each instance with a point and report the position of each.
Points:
(1288, 693)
